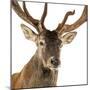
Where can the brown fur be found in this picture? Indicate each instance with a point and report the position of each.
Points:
(34, 75)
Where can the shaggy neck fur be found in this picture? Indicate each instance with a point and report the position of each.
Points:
(34, 74)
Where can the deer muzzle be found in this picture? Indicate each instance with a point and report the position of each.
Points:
(54, 62)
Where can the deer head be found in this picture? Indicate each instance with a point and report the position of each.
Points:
(48, 42)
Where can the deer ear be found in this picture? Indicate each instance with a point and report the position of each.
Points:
(68, 38)
(29, 34)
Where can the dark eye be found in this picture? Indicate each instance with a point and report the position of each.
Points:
(41, 43)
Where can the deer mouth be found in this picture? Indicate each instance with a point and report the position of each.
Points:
(53, 67)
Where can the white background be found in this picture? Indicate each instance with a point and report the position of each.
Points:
(73, 56)
(5, 49)
(63, 1)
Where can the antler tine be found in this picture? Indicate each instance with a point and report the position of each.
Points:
(44, 16)
(80, 21)
(18, 10)
(65, 19)
(28, 15)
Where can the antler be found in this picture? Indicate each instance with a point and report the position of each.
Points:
(62, 28)
(39, 24)
(43, 16)
(24, 14)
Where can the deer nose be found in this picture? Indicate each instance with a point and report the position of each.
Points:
(55, 62)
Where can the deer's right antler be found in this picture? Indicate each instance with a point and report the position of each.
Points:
(24, 14)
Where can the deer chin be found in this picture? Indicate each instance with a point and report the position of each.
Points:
(51, 67)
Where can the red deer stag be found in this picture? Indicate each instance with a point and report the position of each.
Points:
(41, 70)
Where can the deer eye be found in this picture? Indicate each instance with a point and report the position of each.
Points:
(41, 43)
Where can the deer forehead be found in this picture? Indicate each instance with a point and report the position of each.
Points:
(49, 37)
(48, 34)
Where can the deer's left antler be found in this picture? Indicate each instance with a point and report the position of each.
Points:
(62, 27)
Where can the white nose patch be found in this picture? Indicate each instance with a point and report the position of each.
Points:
(52, 57)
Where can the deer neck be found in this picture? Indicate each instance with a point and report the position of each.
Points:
(38, 74)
